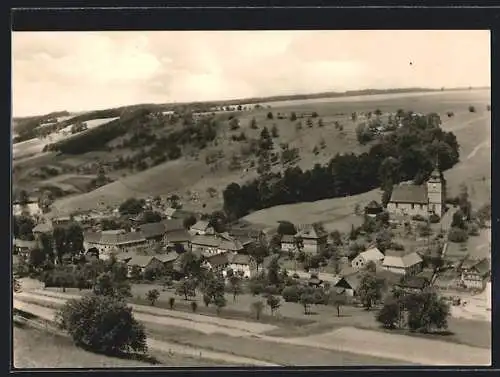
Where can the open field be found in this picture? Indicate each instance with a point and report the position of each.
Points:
(344, 339)
(470, 332)
(35, 146)
(34, 348)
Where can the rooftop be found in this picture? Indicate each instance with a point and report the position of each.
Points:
(409, 194)
(404, 261)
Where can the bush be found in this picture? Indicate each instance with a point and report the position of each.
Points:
(291, 294)
(418, 218)
(472, 109)
(434, 219)
(102, 324)
(457, 235)
(450, 114)
(153, 296)
(171, 302)
(194, 306)
(473, 229)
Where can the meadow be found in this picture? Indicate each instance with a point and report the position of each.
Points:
(191, 174)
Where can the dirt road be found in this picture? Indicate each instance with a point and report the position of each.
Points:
(161, 346)
(364, 342)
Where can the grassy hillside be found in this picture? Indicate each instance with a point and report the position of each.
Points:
(227, 159)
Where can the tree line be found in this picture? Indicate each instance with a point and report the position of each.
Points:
(409, 153)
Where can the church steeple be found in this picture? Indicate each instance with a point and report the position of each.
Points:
(435, 175)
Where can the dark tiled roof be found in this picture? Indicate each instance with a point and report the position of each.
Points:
(219, 259)
(173, 224)
(409, 194)
(179, 235)
(287, 238)
(140, 260)
(113, 238)
(201, 225)
(152, 230)
(312, 232)
(239, 259)
(25, 244)
(169, 257)
(481, 266)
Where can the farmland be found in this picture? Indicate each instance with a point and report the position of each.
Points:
(191, 174)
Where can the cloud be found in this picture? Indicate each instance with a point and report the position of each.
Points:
(90, 70)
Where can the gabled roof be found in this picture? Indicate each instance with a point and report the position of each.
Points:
(141, 260)
(239, 259)
(169, 257)
(373, 205)
(104, 238)
(25, 244)
(402, 261)
(287, 238)
(351, 281)
(348, 270)
(218, 259)
(44, 227)
(311, 232)
(414, 282)
(480, 266)
(407, 193)
(173, 224)
(373, 254)
(201, 225)
(178, 235)
(221, 241)
(152, 230)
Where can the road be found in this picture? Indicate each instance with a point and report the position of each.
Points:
(364, 342)
(153, 344)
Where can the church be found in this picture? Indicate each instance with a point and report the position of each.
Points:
(409, 200)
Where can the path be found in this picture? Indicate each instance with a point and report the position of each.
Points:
(153, 344)
(347, 339)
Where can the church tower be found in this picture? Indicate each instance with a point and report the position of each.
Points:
(435, 193)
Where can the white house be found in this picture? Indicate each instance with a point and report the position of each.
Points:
(215, 243)
(114, 241)
(408, 264)
(312, 239)
(30, 208)
(408, 199)
(288, 243)
(201, 227)
(371, 255)
(240, 264)
(475, 273)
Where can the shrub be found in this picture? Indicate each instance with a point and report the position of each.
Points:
(472, 109)
(433, 218)
(257, 308)
(291, 294)
(450, 114)
(194, 306)
(418, 218)
(457, 235)
(153, 296)
(171, 302)
(473, 229)
(102, 324)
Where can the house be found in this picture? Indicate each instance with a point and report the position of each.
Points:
(218, 262)
(474, 273)
(143, 262)
(312, 239)
(241, 264)
(152, 232)
(180, 214)
(409, 199)
(168, 259)
(350, 283)
(43, 228)
(173, 224)
(288, 243)
(177, 238)
(23, 247)
(414, 284)
(114, 241)
(201, 227)
(373, 209)
(407, 264)
(371, 255)
(30, 207)
(216, 243)
(245, 229)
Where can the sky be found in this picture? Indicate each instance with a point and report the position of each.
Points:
(78, 71)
